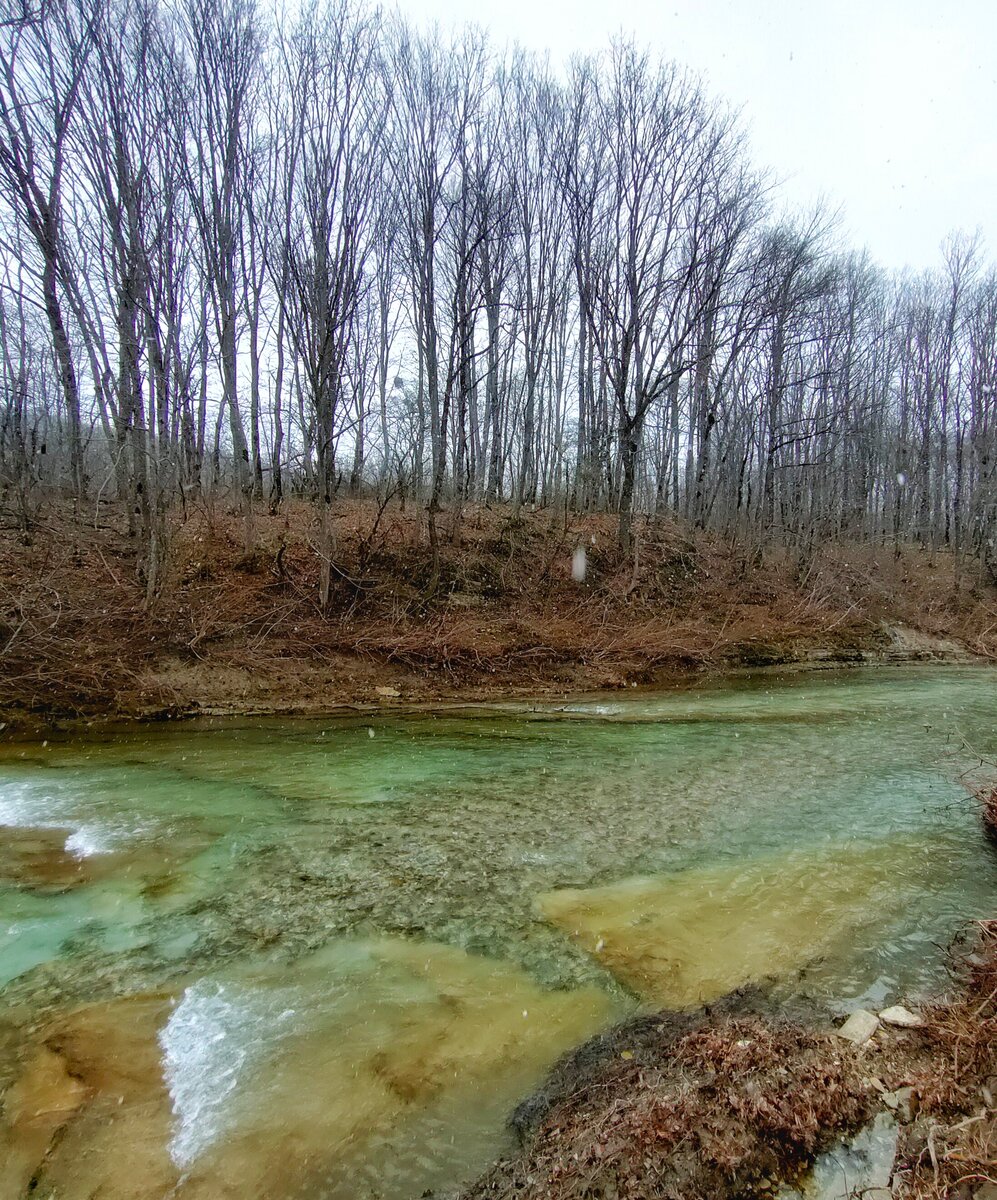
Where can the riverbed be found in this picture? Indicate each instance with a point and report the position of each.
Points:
(326, 957)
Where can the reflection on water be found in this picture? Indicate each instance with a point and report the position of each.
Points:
(289, 958)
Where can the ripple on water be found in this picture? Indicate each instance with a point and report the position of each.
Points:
(381, 1067)
(31, 804)
(213, 1037)
(813, 829)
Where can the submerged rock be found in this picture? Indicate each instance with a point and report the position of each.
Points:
(40, 1103)
(37, 859)
(339, 1074)
(859, 1166)
(685, 939)
(105, 1116)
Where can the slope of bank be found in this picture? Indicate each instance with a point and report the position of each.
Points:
(737, 1102)
(233, 629)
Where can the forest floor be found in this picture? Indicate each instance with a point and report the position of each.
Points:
(233, 630)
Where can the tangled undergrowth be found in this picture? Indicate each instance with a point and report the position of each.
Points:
(987, 799)
(950, 1151)
(721, 1110)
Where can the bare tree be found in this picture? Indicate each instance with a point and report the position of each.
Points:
(345, 254)
(215, 89)
(338, 109)
(42, 64)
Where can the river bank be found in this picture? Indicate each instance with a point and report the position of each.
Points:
(237, 631)
(496, 885)
(734, 1102)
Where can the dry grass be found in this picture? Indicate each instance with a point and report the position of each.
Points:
(73, 633)
(76, 636)
(987, 799)
(952, 1147)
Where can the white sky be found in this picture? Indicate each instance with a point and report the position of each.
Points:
(886, 108)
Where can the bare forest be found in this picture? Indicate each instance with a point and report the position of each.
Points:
(429, 388)
(326, 255)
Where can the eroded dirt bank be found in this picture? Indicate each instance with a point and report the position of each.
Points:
(735, 1102)
(240, 630)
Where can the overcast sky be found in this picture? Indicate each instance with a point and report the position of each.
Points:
(887, 108)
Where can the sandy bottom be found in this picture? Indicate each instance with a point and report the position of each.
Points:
(688, 938)
(372, 1068)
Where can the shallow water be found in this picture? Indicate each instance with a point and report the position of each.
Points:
(325, 958)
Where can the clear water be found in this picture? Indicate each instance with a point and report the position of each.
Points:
(325, 958)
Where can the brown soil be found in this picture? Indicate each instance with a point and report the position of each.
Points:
(726, 1103)
(231, 631)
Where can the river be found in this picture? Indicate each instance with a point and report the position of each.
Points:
(325, 958)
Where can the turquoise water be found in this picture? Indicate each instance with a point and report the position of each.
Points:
(344, 920)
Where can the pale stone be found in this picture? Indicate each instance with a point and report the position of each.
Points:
(901, 1101)
(685, 939)
(389, 692)
(465, 600)
(859, 1027)
(859, 1166)
(902, 1017)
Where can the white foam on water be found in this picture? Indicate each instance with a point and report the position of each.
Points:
(89, 840)
(26, 805)
(595, 710)
(214, 1037)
